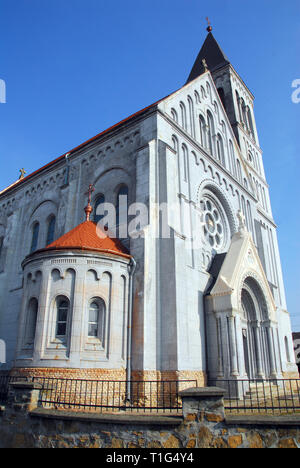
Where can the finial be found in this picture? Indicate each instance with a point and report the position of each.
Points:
(22, 172)
(88, 209)
(205, 66)
(209, 27)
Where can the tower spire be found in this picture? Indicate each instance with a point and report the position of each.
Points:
(88, 209)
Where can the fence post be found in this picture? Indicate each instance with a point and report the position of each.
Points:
(23, 396)
(203, 403)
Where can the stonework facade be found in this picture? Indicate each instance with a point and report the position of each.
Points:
(211, 311)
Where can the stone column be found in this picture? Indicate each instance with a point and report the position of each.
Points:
(220, 347)
(256, 330)
(232, 344)
(271, 350)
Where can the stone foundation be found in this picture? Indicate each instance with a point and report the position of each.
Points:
(202, 424)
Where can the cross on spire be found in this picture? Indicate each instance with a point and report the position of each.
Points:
(209, 27)
(88, 209)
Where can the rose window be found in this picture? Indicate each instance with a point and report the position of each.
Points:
(214, 224)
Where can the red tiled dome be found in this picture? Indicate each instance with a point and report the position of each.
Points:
(85, 237)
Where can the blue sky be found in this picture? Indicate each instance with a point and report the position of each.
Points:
(75, 67)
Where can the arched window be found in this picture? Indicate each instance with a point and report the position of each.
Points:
(31, 322)
(62, 317)
(122, 213)
(185, 162)
(232, 158)
(96, 323)
(238, 100)
(100, 200)
(244, 113)
(210, 132)
(183, 115)
(35, 237)
(191, 112)
(220, 150)
(174, 115)
(239, 170)
(222, 96)
(202, 131)
(51, 230)
(250, 122)
(250, 218)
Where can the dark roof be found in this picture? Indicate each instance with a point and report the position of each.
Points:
(214, 56)
(60, 158)
(215, 269)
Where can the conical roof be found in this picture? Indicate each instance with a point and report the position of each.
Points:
(87, 236)
(214, 56)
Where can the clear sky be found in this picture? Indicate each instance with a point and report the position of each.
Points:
(75, 67)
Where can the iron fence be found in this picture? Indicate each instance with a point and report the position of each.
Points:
(279, 396)
(112, 396)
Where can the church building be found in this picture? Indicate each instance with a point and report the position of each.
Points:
(143, 297)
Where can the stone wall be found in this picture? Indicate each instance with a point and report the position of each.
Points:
(203, 424)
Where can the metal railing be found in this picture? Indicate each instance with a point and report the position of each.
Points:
(111, 396)
(279, 396)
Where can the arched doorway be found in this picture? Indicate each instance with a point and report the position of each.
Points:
(258, 340)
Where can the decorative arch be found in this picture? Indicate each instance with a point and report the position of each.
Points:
(208, 184)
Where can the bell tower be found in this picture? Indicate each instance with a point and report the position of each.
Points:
(237, 99)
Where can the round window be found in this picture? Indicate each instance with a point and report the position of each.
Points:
(214, 223)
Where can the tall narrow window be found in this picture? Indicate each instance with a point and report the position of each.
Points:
(191, 112)
(185, 162)
(96, 319)
(174, 115)
(232, 158)
(222, 96)
(238, 100)
(35, 237)
(250, 122)
(183, 115)
(239, 170)
(220, 150)
(122, 213)
(210, 132)
(1, 245)
(202, 131)
(63, 306)
(51, 230)
(31, 322)
(99, 213)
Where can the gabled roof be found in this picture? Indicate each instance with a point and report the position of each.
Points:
(70, 153)
(214, 56)
(88, 237)
(242, 258)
